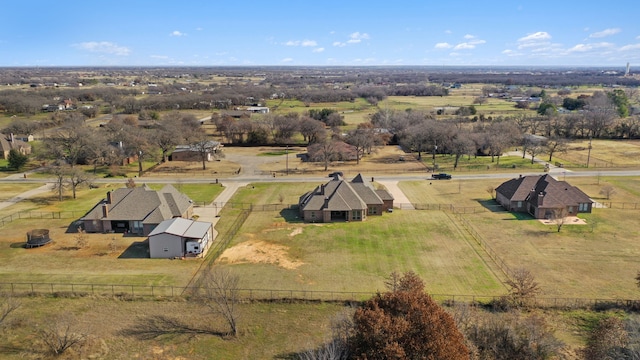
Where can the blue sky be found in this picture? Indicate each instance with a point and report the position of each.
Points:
(328, 32)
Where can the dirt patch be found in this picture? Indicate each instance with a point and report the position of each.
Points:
(569, 220)
(296, 231)
(259, 252)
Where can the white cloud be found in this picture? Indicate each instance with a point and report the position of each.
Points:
(589, 47)
(286, 60)
(163, 57)
(448, 32)
(535, 37)
(605, 33)
(318, 50)
(464, 46)
(177, 33)
(339, 44)
(468, 36)
(301, 43)
(443, 45)
(357, 37)
(630, 47)
(103, 47)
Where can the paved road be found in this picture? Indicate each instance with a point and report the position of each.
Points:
(251, 163)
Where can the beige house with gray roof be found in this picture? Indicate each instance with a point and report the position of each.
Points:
(137, 210)
(341, 200)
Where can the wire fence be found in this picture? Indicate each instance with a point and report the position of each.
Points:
(158, 292)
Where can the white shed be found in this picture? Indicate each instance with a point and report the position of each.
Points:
(180, 237)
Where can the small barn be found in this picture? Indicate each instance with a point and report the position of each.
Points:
(179, 237)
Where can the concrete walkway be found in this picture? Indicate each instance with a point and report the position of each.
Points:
(400, 200)
(210, 212)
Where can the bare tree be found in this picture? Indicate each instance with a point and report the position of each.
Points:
(219, 291)
(60, 184)
(62, 333)
(522, 287)
(205, 148)
(556, 144)
(607, 191)
(8, 305)
(534, 146)
(491, 190)
(559, 217)
(81, 239)
(76, 178)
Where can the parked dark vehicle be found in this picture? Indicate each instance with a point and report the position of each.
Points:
(441, 176)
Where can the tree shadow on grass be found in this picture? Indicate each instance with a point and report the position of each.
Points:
(18, 245)
(156, 326)
(137, 250)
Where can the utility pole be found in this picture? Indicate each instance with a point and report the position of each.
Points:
(435, 147)
(140, 163)
(287, 159)
(589, 152)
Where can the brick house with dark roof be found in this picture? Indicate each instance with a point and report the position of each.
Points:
(341, 200)
(542, 195)
(137, 210)
(9, 142)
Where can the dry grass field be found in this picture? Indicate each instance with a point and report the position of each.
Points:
(604, 154)
(267, 331)
(596, 260)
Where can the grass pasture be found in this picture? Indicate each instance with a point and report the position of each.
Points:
(604, 154)
(357, 256)
(597, 260)
(267, 331)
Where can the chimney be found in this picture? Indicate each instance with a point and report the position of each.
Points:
(322, 189)
(12, 139)
(109, 197)
(540, 199)
(326, 202)
(105, 210)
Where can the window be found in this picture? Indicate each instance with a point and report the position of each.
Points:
(356, 215)
(373, 210)
(519, 204)
(583, 207)
(165, 249)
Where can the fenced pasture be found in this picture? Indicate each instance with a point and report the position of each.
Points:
(599, 259)
(605, 154)
(357, 256)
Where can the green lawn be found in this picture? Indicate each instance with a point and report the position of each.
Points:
(357, 256)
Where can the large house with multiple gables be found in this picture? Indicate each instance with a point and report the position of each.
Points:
(542, 196)
(11, 142)
(341, 200)
(137, 210)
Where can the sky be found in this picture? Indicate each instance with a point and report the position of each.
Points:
(319, 33)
